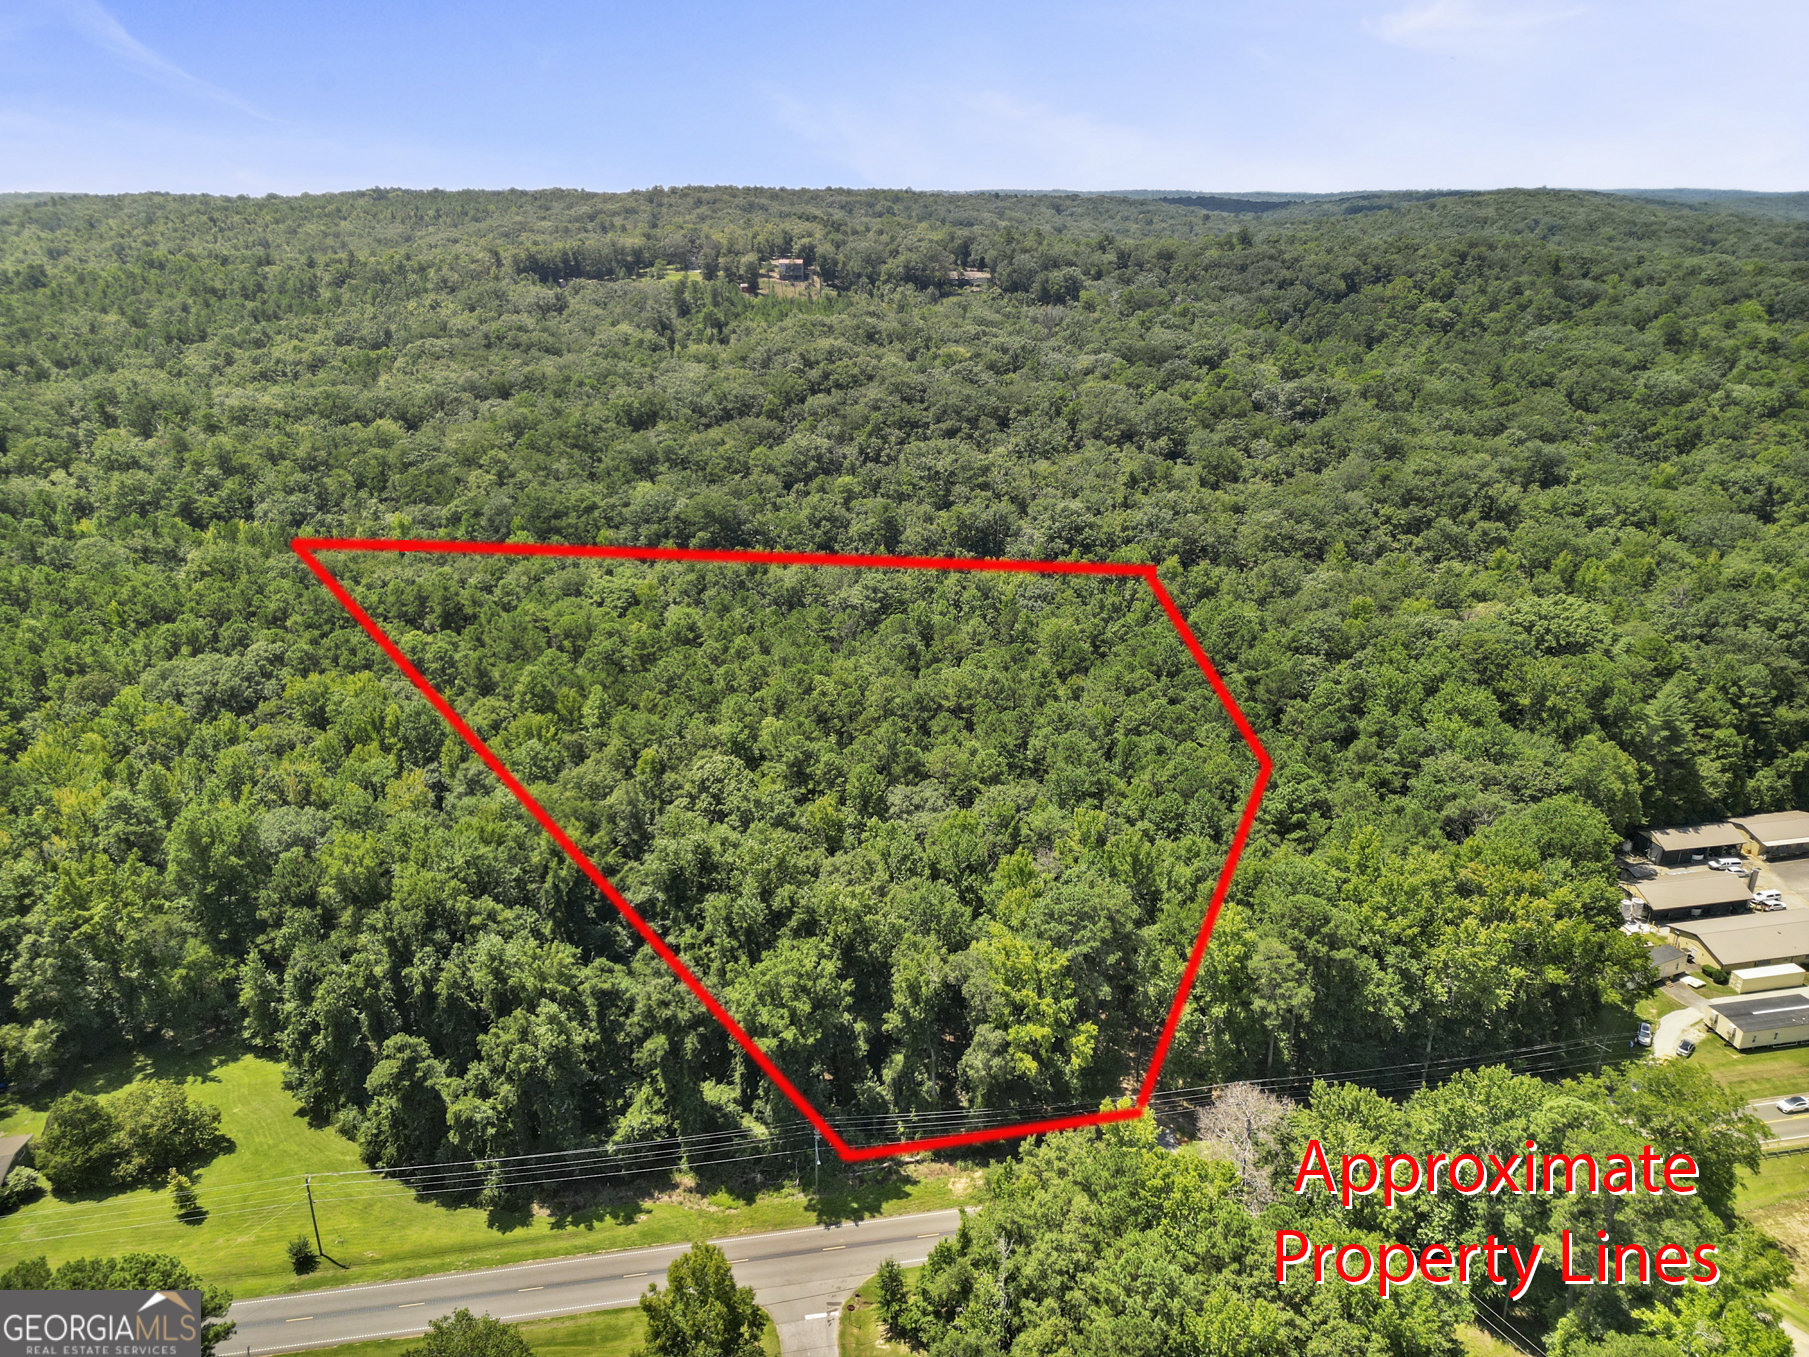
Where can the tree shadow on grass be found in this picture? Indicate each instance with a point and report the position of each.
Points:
(618, 1213)
(569, 1210)
(618, 1204)
(855, 1192)
(507, 1217)
(179, 1062)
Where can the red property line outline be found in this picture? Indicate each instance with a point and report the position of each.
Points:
(308, 547)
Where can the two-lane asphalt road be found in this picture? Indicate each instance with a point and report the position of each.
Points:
(1787, 1127)
(800, 1276)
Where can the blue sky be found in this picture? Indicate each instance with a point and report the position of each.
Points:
(1225, 95)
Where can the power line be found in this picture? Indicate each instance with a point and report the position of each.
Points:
(713, 1149)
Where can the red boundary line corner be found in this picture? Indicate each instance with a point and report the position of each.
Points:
(308, 549)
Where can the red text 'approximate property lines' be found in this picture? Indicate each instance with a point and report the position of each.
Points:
(307, 548)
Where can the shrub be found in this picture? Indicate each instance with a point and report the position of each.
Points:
(32, 1055)
(142, 1132)
(1715, 973)
(80, 1145)
(301, 1255)
(162, 1128)
(188, 1205)
(28, 1274)
(129, 1272)
(21, 1185)
(463, 1334)
(701, 1298)
(895, 1303)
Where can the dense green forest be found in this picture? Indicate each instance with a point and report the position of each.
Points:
(1491, 508)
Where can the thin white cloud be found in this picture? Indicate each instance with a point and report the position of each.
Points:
(1471, 28)
(98, 25)
(68, 151)
(953, 138)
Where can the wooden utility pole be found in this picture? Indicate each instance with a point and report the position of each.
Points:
(308, 1182)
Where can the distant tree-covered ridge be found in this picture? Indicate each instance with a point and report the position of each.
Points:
(1491, 508)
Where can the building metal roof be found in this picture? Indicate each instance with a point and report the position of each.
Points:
(1779, 829)
(1779, 1009)
(1750, 939)
(1690, 838)
(1691, 890)
(9, 1151)
(1766, 972)
(1665, 952)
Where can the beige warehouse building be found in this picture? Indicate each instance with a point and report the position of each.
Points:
(1780, 1018)
(1685, 844)
(1689, 895)
(1758, 979)
(1743, 940)
(1779, 836)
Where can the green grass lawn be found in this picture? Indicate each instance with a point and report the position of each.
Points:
(1766, 1073)
(1776, 1199)
(1653, 1008)
(1478, 1343)
(860, 1332)
(602, 1333)
(376, 1229)
(1782, 1179)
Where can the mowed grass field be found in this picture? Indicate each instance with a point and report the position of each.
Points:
(602, 1333)
(1776, 1199)
(375, 1229)
(1764, 1073)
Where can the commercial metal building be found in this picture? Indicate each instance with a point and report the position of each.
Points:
(1747, 939)
(1781, 835)
(1780, 1018)
(1689, 843)
(1667, 960)
(1689, 895)
(1758, 979)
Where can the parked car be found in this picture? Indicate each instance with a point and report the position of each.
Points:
(1686, 1048)
(1727, 864)
(1643, 1037)
(1769, 897)
(1794, 1104)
